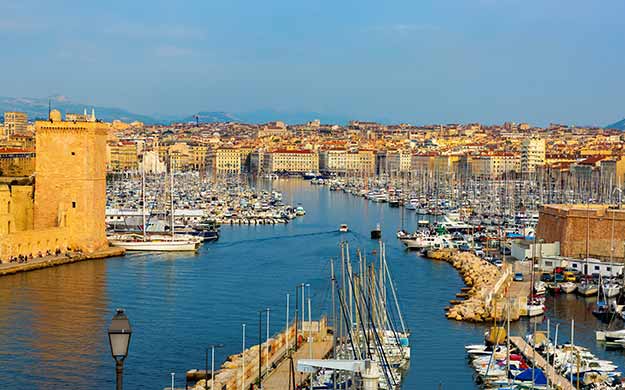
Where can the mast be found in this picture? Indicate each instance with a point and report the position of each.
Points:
(171, 196)
(143, 200)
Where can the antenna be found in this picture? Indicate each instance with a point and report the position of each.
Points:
(49, 107)
(197, 120)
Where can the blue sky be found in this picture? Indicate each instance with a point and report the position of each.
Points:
(412, 61)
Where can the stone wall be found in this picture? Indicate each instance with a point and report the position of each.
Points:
(34, 242)
(571, 225)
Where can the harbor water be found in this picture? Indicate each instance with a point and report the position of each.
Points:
(53, 322)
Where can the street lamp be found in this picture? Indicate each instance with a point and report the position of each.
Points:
(119, 339)
(212, 347)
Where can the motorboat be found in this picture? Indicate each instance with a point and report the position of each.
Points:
(404, 235)
(568, 287)
(539, 287)
(424, 242)
(343, 228)
(587, 289)
(610, 289)
(376, 233)
(553, 287)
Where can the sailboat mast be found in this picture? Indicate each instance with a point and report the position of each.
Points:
(143, 200)
(171, 194)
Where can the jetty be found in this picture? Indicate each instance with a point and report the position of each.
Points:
(557, 380)
(484, 281)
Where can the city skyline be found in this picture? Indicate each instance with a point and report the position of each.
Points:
(480, 61)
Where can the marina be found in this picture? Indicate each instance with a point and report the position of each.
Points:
(177, 284)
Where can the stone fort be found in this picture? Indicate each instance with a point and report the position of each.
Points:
(61, 208)
(576, 226)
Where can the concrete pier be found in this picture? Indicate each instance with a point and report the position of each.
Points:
(53, 261)
(240, 372)
(278, 379)
(557, 381)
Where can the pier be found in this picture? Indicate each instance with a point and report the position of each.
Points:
(557, 380)
(241, 371)
(278, 379)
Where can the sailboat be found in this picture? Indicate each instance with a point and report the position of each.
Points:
(156, 242)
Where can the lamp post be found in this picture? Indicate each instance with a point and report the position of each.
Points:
(212, 347)
(260, 348)
(119, 339)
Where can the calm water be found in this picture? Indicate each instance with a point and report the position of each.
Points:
(53, 322)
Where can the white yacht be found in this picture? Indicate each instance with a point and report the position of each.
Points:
(156, 242)
(425, 242)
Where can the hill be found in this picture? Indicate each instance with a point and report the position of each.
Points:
(38, 108)
(620, 125)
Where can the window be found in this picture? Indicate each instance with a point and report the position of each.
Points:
(549, 263)
(73, 153)
(608, 268)
(574, 265)
(73, 205)
(596, 268)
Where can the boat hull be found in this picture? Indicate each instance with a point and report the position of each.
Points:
(156, 246)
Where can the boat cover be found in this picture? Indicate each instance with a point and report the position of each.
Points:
(526, 376)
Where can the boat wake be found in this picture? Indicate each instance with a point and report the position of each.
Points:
(274, 238)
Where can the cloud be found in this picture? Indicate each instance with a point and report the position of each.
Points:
(172, 51)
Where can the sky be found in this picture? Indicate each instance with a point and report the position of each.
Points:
(414, 61)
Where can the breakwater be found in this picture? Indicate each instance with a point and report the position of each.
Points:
(482, 278)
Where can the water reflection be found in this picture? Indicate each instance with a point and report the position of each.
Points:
(51, 322)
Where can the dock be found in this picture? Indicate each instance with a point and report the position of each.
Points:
(557, 380)
(278, 379)
(241, 371)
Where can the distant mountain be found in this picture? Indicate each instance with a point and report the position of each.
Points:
(620, 125)
(289, 117)
(211, 117)
(38, 108)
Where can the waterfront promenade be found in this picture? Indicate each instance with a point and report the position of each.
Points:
(53, 261)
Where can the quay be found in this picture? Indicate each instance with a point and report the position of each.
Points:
(53, 261)
(557, 380)
(241, 371)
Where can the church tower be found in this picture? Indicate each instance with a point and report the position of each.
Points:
(70, 179)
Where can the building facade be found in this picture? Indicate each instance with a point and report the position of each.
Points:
(291, 161)
(15, 123)
(532, 154)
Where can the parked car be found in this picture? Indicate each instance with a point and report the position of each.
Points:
(546, 277)
(569, 276)
(464, 247)
(518, 276)
(498, 263)
(558, 278)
